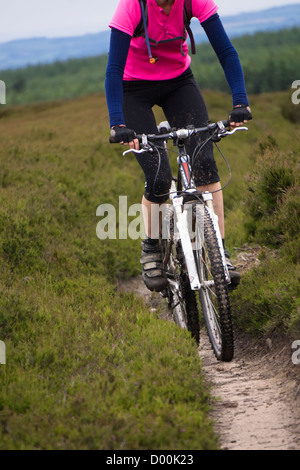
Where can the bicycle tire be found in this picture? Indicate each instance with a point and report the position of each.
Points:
(213, 295)
(181, 299)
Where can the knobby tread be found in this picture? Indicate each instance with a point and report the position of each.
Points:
(221, 290)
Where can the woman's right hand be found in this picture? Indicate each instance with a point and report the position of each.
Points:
(125, 136)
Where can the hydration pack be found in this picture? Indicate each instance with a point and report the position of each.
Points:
(141, 29)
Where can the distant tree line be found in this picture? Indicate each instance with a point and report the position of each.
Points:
(270, 61)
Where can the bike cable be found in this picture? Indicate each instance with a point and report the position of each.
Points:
(195, 155)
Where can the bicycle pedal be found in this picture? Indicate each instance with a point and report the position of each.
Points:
(233, 285)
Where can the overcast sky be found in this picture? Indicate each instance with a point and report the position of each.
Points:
(57, 18)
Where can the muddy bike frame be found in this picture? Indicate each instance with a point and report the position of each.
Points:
(193, 257)
(178, 198)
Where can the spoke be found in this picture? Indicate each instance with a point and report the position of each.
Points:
(212, 292)
(207, 266)
(215, 310)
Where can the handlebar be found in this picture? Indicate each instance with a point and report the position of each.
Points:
(218, 128)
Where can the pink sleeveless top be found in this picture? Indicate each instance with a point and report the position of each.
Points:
(173, 58)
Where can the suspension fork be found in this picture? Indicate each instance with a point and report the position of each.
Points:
(208, 200)
(181, 215)
(185, 173)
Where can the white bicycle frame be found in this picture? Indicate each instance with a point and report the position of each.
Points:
(181, 217)
(184, 235)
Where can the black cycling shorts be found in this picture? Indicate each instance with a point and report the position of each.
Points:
(182, 103)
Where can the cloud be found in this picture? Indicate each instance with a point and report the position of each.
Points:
(58, 18)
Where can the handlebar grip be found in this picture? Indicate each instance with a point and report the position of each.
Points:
(113, 139)
(226, 123)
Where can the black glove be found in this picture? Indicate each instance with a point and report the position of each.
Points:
(122, 134)
(240, 113)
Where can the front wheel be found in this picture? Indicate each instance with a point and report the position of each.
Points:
(182, 300)
(213, 294)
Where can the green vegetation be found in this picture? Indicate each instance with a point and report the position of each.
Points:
(270, 61)
(60, 80)
(87, 366)
(269, 298)
(263, 208)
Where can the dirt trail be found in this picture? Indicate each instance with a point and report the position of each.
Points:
(258, 397)
(257, 403)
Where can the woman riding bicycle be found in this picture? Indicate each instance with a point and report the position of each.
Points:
(135, 82)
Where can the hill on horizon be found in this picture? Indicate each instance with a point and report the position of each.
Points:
(24, 52)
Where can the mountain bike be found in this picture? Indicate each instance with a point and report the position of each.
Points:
(194, 258)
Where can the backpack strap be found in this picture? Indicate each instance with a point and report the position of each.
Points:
(187, 16)
(152, 60)
(188, 8)
(140, 30)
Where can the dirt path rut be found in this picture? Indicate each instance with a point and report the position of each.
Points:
(257, 404)
(258, 393)
(258, 397)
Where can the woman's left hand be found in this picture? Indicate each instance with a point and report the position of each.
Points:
(240, 115)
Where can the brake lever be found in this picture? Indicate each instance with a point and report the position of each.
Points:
(143, 150)
(134, 150)
(223, 134)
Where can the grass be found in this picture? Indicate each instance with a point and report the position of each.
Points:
(75, 381)
(269, 298)
(87, 366)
